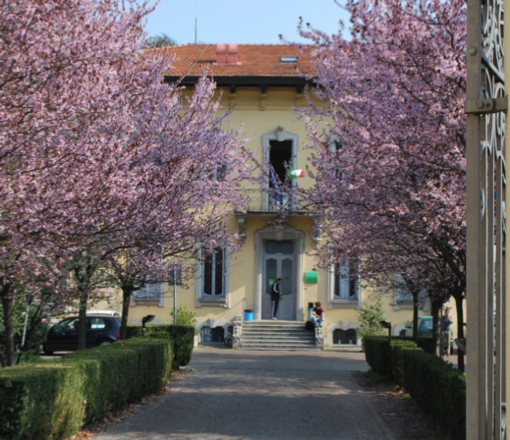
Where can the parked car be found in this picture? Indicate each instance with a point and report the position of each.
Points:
(101, 330)
(103, 312)
(424, 327)
(424, 330)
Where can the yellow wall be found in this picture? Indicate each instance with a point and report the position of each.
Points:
(259, 114)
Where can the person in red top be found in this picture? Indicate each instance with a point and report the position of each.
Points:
(318, 315)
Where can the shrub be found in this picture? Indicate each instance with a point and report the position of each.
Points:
(398, 348)
(41, 401)
(53, 400)
(369, 318)
(123, 374)
(376, 353)
(158, 335)
(377, 349)
(438, 388)
(181, 335)
(184, 316)
(36, 328)
(26, 357)
(428, 345)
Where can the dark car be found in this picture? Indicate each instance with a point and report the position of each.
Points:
(63, 336)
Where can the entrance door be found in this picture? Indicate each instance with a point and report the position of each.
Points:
(279, 263)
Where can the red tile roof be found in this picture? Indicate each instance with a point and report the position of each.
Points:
(254, 60)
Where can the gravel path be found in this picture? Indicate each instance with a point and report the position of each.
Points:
(238, 395)
(231, 394)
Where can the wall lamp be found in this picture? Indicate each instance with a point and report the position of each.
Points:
(387, 325)
(145, 320)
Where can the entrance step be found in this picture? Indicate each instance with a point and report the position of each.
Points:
(277, 335)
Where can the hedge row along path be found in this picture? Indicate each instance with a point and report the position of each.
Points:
(235, 394)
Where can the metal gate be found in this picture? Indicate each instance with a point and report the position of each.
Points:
(486, 107)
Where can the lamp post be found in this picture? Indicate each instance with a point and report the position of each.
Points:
(175, 296)
(29, 301)
(176, 280)
(387, 325)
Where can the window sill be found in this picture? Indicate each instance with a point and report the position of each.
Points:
(147, 301)
(403, 305)
(213, 302)
(345, 303)
(407, 305)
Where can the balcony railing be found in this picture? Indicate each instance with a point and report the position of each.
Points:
(260, 201)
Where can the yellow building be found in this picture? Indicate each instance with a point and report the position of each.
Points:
(263, 84)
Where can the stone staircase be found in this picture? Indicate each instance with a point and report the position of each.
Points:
(277, 335)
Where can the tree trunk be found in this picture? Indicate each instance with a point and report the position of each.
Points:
(126, 296)
(459, 299)
(416, 308)
(436, 311)
(82, 321)
(8, 306)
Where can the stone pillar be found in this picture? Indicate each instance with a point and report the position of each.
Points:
(319, 338)
(238, 331)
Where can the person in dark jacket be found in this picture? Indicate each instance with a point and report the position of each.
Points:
(276, 294)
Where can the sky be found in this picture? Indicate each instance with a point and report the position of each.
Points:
(241, 21)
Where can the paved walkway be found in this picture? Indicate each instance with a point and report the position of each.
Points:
(238, 395)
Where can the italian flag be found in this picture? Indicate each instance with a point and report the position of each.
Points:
(296, 174)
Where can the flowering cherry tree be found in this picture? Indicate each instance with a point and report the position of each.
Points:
(187, 187)
(97, 155)
(390, 167)
(61, 111)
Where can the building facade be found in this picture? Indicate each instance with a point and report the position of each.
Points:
(264, 85)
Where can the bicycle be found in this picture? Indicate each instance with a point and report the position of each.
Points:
(229, 338)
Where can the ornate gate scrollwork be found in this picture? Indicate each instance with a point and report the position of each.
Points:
(486, 106)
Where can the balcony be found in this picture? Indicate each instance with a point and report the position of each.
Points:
(261, 202)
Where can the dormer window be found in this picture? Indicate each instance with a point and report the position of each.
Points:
(288, 59)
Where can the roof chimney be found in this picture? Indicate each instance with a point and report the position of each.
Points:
(233, 53)
(221, 53)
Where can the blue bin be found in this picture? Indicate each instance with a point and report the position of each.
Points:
(248, 315)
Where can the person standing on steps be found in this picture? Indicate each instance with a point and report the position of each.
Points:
(275, 297)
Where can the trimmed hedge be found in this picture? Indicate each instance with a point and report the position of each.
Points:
(125, 373)
(427, 344)
(376, 353)
(181, 335)
(437, 387)
(52, 401)
(376, 350)
(41, 402)
(397, 354)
